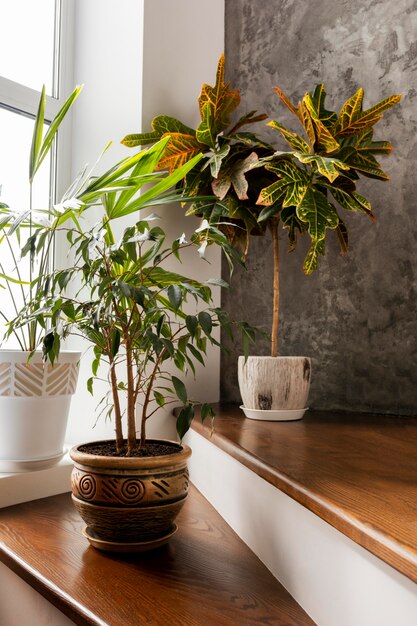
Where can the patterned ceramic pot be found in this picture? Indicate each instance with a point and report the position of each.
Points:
(129, 499)
(35, 399)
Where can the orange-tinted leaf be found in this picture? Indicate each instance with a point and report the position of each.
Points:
(290, 106)
(180, 149)
(370, 116)
(324, 137)
(351, 110)
(223, 100)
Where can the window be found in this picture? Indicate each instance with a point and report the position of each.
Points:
(36, 52)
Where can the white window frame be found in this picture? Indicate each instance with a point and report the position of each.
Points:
(24, 100)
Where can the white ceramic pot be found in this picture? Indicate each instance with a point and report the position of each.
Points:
(278, 386)
(35, 399)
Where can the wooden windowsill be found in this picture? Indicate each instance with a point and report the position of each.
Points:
(205, 575)
(358, 472)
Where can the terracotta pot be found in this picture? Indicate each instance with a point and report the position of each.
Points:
(129, 500)
(275, 383)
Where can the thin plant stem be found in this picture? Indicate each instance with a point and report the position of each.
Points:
(275, 311)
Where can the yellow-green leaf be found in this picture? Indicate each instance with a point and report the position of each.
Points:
(350, 111)
(324, 137)
(370, 116)
(221, 99)
(294, 140)
(327, 166)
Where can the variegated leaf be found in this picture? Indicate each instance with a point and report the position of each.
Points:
(328, 167)
(206, 130)
(317, 211)
(294, 140)
(235, 175)
(352, 201)
(328, 118)
(367, 164)
(307, 123)
(223, 100)
(165, 124)
(350, 111)
(180, 149)
(295, 193)
(370, 116)
(140, 139)
(324, 137)
(312, 258)
(291, 222)
(273, 193)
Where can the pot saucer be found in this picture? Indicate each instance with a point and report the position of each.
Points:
(274, 415)
(9, 466)
(128, 546)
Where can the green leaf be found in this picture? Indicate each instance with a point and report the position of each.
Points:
(140, 139)
(269, 211)
(206, 411)
(90, 382)
(180, 389)
(37, 135)
(206, 322)
(196, 354)
(166, 125)
(273, 194)
(115, 342)
(295, 141)
(206, 131)
(174, 294)
(328, 167)
(318, 213)
(367, 118)
(319, 96)
(184, 420)
(311, 260)
(159, 398)
(218, 282)
(324, 137)
(53, 128)
(192, 324)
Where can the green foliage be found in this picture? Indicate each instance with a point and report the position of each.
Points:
(140, 317)
(324, 166)
(224, 178)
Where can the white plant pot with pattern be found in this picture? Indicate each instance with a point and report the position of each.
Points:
(35, 399)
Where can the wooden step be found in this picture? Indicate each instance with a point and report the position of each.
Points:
(355, 471)
(205, 576)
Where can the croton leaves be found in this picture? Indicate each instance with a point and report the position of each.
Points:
(312, 258)
(221, 99)
(285, 100)
(324, 137)
(295, 141)
(365, 119)
(180, 149)
(235, 175)
(318, 213)
(328, 118)
(249, 118)
(328, 167)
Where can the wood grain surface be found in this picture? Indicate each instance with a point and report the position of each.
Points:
(358, 472)
(206, 576)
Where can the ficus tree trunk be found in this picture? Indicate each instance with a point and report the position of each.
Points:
(275, 309)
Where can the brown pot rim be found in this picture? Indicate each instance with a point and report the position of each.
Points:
(113, 462)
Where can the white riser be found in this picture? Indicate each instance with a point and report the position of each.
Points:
(336, 581)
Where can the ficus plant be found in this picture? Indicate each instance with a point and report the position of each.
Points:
(258, 188)
(141, 318)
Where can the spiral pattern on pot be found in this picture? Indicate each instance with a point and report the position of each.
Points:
(132, 490)
(87, 487)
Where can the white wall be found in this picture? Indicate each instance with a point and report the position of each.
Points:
(137, 59)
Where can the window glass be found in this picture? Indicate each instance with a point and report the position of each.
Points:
(27, 42)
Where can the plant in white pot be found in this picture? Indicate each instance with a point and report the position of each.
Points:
(257, 190)
(34, 396)
(313, 182)
(134, 313)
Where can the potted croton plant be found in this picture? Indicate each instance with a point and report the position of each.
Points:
(34, 396)
(147, 326)
(258, 189)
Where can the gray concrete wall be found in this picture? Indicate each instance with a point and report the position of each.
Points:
(357, 315)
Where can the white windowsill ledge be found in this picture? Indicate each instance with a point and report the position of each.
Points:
(32, 485)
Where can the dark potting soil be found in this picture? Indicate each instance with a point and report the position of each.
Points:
(150, 448)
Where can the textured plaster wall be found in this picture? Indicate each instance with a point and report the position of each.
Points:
(357, 316)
